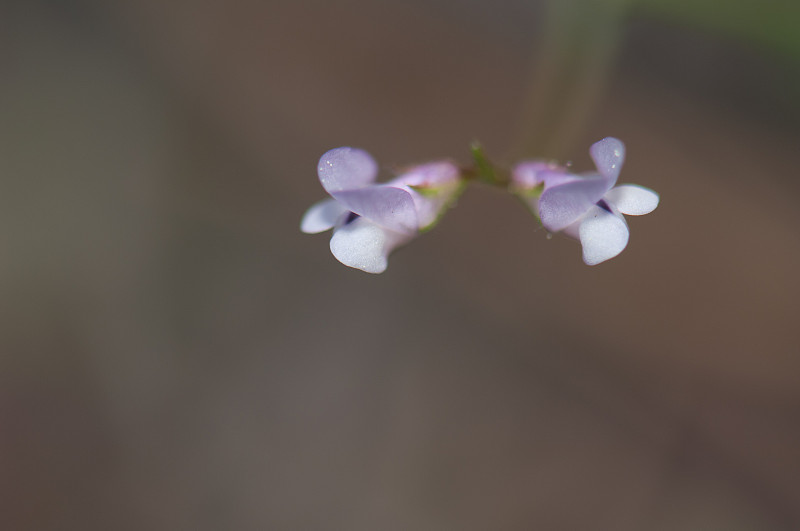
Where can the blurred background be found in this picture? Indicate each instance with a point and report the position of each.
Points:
(175, 354)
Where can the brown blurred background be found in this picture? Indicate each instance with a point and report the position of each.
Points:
(177, 355)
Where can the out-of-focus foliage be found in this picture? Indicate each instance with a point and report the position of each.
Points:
(771, 24)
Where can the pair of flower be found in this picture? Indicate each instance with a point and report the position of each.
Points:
(370, 220)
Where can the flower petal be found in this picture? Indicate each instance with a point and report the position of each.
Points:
(562, 205)
(322, 216)
(346, 168)
(603, 235)
(633, 199)
(389, 207)
(431, 175)
(432, 187)
(364, 245)
(533, 173)
(608, 155)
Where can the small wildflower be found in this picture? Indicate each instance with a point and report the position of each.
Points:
(588, 207)
(370, 220)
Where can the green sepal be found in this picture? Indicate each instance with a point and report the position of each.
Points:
(484, 168)
(460, 187)
(530, 193)
(427, 191)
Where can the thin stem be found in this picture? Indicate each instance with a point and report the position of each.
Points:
(484, 170)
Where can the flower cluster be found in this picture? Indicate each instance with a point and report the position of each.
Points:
(370, 220)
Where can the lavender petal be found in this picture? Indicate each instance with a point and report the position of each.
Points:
(608, 155)
(562, 205)
(346, 168)
(389, 207)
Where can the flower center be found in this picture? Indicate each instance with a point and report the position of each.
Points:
(602, 204)
(351, 217)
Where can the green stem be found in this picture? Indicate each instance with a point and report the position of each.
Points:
(484, 170)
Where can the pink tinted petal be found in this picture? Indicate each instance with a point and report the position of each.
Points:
(561, 205)
(432, 187)
(431, 206)
(346, 168)
(322, 216)
(526, 174)
(558, 177)
(363, 245)
(603, 235)
(608, 155)
(427, 207)
(389, 207)
(533, 173)
(633, 199)
(431, 175)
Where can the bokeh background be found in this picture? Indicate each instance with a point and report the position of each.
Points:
(175, 354)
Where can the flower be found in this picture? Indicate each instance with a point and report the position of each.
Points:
(587, 207)
(370, 220)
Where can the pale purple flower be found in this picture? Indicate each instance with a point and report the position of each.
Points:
(370, 220)
(587, 207)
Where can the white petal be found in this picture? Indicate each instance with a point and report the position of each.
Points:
(603, 235)
(364, 245)
(346, 168)
(321, 216)
(608, 155)
(633, 199)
